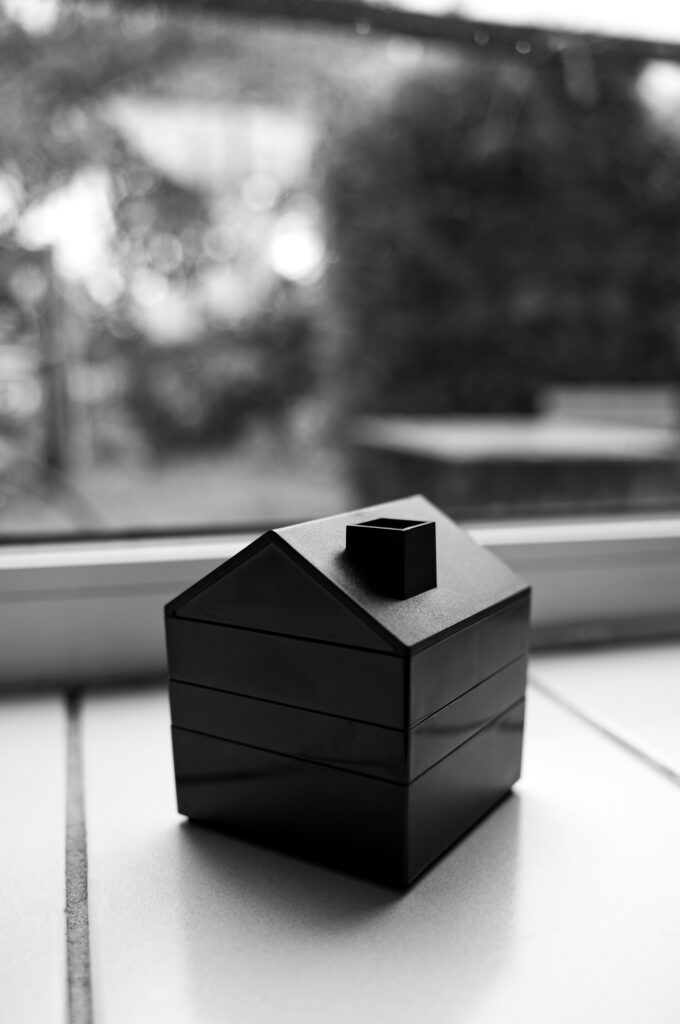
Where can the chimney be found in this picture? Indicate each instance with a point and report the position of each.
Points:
(397, 556)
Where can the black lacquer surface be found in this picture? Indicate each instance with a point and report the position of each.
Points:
(440, 673)
(362, 707)
(272, 592)
(396, 755)
(371, 827)
(371, 687)
(320, 677)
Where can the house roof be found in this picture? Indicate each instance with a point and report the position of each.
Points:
(470, 580)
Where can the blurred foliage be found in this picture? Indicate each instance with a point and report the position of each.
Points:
(198, 395)
(51, 83)
(496, 228)
(55, 124)
(491, 228)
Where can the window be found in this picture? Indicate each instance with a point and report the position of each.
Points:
(256, 270)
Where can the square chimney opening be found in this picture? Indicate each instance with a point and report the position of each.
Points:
(397, 557)
(393, 524)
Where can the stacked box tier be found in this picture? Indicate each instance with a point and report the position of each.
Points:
(384, 752)
(378, 829)
(369, 686)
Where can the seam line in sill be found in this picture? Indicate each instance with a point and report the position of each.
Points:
(619, 738)
(78, 974)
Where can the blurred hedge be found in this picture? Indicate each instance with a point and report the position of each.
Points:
(495, 228)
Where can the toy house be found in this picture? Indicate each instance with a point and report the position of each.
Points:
(351, 689)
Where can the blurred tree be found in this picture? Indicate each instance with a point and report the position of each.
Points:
(51, 129)
(495, 228)
(206, 393)
(55, 125)
(51, 83)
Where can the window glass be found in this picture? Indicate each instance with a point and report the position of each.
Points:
(256, 271)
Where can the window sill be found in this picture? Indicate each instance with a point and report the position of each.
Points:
(86, 612)
(184, 923)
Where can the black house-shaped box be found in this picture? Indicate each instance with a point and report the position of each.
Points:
(351, 689)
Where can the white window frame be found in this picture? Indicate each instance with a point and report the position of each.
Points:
(82, 612)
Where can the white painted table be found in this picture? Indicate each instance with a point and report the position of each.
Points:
(563, 905)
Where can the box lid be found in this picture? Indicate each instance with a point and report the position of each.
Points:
(300, 581)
